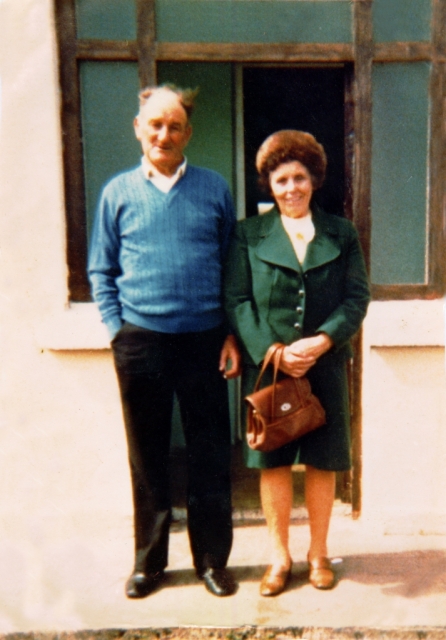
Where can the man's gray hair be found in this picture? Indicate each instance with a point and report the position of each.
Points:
(185, 96)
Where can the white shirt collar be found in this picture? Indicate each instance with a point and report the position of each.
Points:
(162, 182)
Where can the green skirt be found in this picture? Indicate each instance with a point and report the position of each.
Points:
(326, 448)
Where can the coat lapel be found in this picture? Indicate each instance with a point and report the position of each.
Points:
(275, 246)
(325, 244)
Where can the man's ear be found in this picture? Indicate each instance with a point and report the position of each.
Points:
(136, 128)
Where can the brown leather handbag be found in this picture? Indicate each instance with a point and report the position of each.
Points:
(283, 411)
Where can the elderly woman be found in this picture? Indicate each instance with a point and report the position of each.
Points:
(296, 275)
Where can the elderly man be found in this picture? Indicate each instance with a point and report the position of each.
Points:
(160, 236)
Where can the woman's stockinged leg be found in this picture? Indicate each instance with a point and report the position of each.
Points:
(319, 498)
(276, 491)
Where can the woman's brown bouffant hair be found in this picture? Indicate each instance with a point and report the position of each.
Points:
(289, 145)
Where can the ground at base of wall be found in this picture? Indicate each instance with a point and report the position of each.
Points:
(242, 633)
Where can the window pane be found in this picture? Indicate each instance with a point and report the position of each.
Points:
(399, 173)
(403, 20)
(211, 143)
(109, 105)
(253, 21)
(106, 19)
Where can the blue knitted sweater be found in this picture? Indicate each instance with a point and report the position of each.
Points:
(156, 258)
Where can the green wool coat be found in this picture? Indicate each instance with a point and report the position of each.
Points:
(270, 297)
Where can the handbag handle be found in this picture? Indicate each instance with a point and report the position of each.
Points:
(274, 353)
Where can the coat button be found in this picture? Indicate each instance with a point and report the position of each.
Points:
(299, 310)
(297, 325)
(301, 293)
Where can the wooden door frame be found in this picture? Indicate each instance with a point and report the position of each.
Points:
(349, 482)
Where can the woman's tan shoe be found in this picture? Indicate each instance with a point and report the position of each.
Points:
(274, 582)
(321, 573)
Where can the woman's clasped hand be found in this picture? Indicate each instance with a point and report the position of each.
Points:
(299, 356)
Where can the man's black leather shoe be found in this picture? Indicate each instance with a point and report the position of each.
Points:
(141, 584)
(219, 582)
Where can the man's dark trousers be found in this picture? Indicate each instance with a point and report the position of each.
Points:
(151, 367)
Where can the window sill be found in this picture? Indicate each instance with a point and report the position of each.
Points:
(408, 323)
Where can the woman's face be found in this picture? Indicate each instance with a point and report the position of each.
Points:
(292, 188)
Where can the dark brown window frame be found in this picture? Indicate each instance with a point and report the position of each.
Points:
(361, 55)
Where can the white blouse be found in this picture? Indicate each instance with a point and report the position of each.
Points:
(301, 232)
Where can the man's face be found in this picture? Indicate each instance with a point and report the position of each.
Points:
(163, 131)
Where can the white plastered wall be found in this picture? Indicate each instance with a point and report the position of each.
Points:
(65, 492)
(64, 480)
(404, 417)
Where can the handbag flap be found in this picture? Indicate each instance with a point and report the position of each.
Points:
(291, 394)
